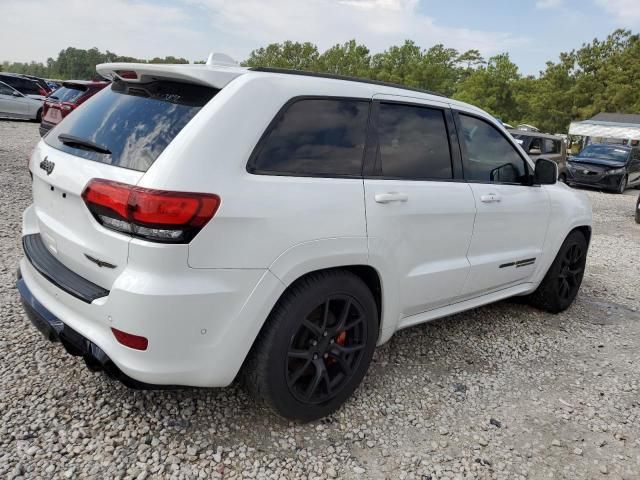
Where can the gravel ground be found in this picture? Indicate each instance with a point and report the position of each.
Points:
(504, 391)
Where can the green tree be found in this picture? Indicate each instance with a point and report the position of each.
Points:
(349, 59)
(294, 55)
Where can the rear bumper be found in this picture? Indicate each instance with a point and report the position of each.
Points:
(75, 344)
(200, 323)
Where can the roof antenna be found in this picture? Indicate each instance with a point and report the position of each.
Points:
(221, 59)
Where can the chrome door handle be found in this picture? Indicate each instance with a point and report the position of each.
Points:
(490, 198)
(391, 197)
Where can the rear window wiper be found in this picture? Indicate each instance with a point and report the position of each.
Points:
(78, 142)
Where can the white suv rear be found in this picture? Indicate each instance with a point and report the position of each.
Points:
(190, 222)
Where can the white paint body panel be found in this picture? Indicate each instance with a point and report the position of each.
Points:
(436, 253)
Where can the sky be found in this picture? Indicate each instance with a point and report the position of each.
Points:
(532, 31)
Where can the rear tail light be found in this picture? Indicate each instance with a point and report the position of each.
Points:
(130, 340)
(159, 216)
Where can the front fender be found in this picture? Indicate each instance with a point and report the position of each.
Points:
(570, 209)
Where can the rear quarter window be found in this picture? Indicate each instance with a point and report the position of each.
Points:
(135, 122)
(322, 137)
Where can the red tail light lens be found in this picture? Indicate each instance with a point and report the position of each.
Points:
(129, 340)
(127, 74)
(156, 215)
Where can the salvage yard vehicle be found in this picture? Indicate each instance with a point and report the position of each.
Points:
(195, 222)
(14, 104)
(542, 145)
(606, 166)
(66, 99)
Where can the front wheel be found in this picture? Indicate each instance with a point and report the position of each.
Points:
(316, 346)
(623, 185)
(562, 282)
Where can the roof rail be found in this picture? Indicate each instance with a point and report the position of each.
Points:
(304, 73)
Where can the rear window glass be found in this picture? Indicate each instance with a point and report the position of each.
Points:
(134, 122)
(68, 94)
(316, 137)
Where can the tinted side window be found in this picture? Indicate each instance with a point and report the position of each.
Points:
(490, 157)
(551, 146)
(413, 143)
(316, 137)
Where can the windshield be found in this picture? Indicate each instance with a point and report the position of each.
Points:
(607, 153)
(134, 123)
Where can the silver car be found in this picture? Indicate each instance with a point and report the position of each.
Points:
(14, 104)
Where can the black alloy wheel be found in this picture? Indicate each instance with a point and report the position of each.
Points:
(326, 349)
(571, 272)
(560, 286)
(315, 347)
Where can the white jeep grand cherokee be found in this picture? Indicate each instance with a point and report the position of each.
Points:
(193, 222)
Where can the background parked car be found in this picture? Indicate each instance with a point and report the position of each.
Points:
(40, 81)
(64, 100)
(539, 145)
(24, 85)
(610, 167)
(14, 104)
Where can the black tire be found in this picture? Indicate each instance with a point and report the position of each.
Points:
(285, 363)
(638, 210)
(562, 178)
(623, 185)
(560, 285)
(38, 116)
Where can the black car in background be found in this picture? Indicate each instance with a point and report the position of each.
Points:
(604, 166)
(24, 85)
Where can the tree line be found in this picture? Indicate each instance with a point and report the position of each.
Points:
(601, 76)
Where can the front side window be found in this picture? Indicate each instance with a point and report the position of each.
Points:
(413, 143)
(490, 158)
(315, 137)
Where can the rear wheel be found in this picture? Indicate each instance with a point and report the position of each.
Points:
(562, 282)
(38, 116)
(638, 210)
(316, 346)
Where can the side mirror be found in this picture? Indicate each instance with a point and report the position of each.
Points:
(535, 151)
(546, 172)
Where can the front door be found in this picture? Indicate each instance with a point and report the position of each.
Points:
(419, 216)
(512, 216)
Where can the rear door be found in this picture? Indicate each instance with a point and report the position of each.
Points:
(512, 217)
(419, 214)
(134, 124)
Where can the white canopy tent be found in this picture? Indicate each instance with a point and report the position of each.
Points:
(608, 126)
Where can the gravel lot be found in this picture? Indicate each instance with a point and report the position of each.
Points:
(504, 391)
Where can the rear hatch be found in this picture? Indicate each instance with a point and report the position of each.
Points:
(116, 135)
